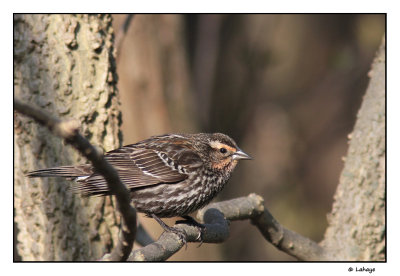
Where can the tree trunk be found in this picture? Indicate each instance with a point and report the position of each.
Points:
(65, 65)
(356, 230)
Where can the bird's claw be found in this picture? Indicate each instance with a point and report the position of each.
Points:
(201, 227)
(180, 233)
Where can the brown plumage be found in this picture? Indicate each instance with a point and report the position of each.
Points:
(168, 175)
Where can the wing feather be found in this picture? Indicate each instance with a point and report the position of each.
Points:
(137, 167)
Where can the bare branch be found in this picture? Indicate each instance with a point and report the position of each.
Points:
(69, 130)
(286, 240)
(217, 230)
(252, 207)
(216, 217)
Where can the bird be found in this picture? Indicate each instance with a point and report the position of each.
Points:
(170, 175)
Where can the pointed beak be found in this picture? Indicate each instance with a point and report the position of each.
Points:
(241, 155)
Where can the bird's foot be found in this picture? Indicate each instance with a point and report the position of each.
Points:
(191, 221)
(179, 232)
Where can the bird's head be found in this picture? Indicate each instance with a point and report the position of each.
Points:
(221, 152)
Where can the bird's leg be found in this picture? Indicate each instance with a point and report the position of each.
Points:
(180, 232)
(191, 221)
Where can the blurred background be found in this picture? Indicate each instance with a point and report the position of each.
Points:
(287, 88)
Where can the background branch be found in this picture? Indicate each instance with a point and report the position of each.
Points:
(69, 130)
(142, 237)
(121, 34)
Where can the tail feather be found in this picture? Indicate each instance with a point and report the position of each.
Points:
(63, 171)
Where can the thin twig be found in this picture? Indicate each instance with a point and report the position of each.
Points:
(69, 130)
(121, 34)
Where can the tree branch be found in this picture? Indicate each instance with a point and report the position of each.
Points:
(216, 217)
(217, 230)
(69, 130)
(290, 242)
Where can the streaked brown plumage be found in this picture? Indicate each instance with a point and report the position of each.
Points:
(168, 175)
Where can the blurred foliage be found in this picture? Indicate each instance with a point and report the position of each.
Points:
(286, 87)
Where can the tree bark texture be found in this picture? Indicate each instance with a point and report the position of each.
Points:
(65, 65)
(356, 230)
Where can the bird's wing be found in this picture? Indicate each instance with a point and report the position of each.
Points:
(141, 167)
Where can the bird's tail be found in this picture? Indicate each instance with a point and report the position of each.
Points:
(63, 171)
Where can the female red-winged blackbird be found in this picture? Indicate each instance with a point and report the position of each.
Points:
(168, 175)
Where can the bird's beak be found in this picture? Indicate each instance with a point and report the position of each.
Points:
(241, 155)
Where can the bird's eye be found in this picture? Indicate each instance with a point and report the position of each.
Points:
(222, 150)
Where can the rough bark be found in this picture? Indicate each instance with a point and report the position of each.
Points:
(357, 226)
(65, 65)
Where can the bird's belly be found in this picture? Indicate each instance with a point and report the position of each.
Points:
(178, 199)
